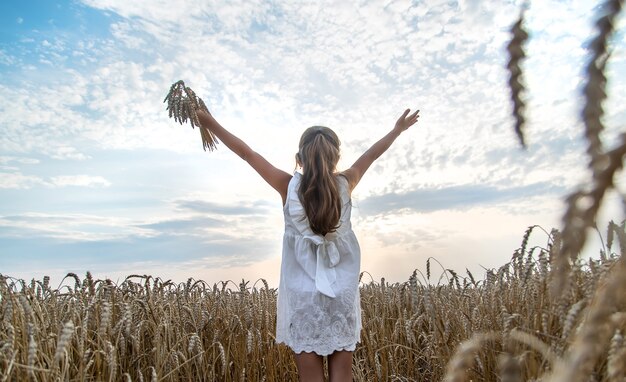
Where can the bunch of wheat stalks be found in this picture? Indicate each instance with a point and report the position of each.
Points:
(509, 326)
(183, 105)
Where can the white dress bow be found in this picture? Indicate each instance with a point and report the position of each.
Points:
(327, 258)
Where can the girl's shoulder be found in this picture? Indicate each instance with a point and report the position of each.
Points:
(346, 176)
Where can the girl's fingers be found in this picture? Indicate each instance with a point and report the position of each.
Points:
(405, 118)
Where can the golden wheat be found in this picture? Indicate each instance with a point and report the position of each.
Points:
(151, 329)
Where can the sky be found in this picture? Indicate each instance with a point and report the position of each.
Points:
(95, 177)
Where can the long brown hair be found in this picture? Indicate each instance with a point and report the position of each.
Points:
(319, 194)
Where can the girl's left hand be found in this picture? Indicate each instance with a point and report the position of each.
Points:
(405, 121)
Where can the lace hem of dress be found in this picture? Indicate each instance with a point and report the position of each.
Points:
(323, 351)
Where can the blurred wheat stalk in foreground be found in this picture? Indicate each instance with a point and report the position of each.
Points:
(148, 329)
(605, 316)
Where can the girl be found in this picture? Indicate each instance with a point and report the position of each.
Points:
(319, 311)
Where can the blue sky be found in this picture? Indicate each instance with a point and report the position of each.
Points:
(94, 176)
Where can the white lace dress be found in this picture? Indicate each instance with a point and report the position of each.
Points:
(318, 296)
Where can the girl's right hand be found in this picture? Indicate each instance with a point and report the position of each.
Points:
(405, 121)
(204, 114)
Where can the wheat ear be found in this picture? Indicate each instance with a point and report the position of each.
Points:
(516, 55)
(594, 90)
(64, 340)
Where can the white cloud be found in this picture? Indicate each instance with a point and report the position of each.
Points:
(65, 153)
(79, 181)
(69, 227)
(5, 160)
(16, 180)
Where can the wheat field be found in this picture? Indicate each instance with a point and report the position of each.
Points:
(438, 325)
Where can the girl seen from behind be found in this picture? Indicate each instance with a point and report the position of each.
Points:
(318, 312)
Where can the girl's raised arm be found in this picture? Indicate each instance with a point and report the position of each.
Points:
(355, 173)
(278, 179)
